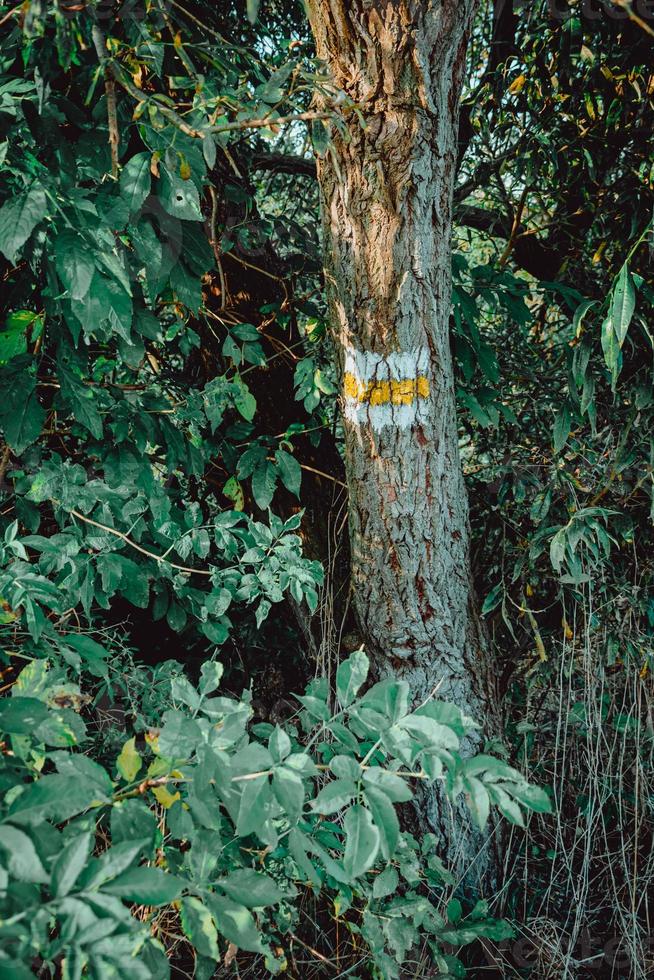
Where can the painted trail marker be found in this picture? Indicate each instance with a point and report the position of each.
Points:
(385, 391)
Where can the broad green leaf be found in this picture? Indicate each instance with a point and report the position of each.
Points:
(68, 866)
(395, 787)
(21, 716)
(13, 337)
(350, 676)
(75, 264)
(18, 219)
(132, 820)
(250, 888)
(135, 181)
(236, 923)
(493, 599)
(386, 883)
(279, 744)
(21, 858)
(478, 800)
(245, 403)
(198, 925)
(362, 840)
(182, 690)
(21, 414)
(114, 862)
(146, 886)
(289, 791)
(55, 798)
(211, 673)
(385, 818)
(91, 652)
(179, 197)
(335, 795)
(507, 807)
(454, 911)
(179, 736)
(533, 797)
(129, 761)
(81, 399)
(623, 305)
(561, 428)
(289, 471)
(264, 480)
(430, 732)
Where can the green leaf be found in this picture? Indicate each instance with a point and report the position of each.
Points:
(385, 818)
(557, 549)
(362, 840)
(580, 314)
(611, 349)
(350, 676)
(236, 923)
(454, 911)
(386, 883)
(198, 926)
(533, 797)
(74, 263)
(18, 219)
(245, 402)
(253, 10)
(561, 428)
(211, 673)
(55, 798)
(179, 197)
(623, 305)
(264, 480)
(431, 733)
(13, 338)
(135, 181)
(81, 399)
(250, 888)
(478, 800)
(290, 471)
(20, 716)
(132, 820)
(129, 762)
(279, 744)
(493, 599)
(23, 862)
(334, 796)
(113, 862)
(68, 866)
(147, 886)
(21, 415)
(395, 788)
(289, 791)
(507, 807)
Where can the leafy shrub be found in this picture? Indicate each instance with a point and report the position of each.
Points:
(222, 825)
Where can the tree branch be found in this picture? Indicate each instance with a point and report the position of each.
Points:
(284, 163)
(137, 547)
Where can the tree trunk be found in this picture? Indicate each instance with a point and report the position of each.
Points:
(387, 204)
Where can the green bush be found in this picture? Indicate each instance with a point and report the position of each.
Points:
(224, 825)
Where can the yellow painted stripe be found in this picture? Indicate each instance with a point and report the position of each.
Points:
(393, 392)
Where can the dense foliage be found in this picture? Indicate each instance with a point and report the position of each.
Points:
(218, 810)
(172, 487)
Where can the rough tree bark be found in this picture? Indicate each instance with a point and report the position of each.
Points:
(387, 207)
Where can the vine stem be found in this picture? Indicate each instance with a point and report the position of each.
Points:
(137, 547)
